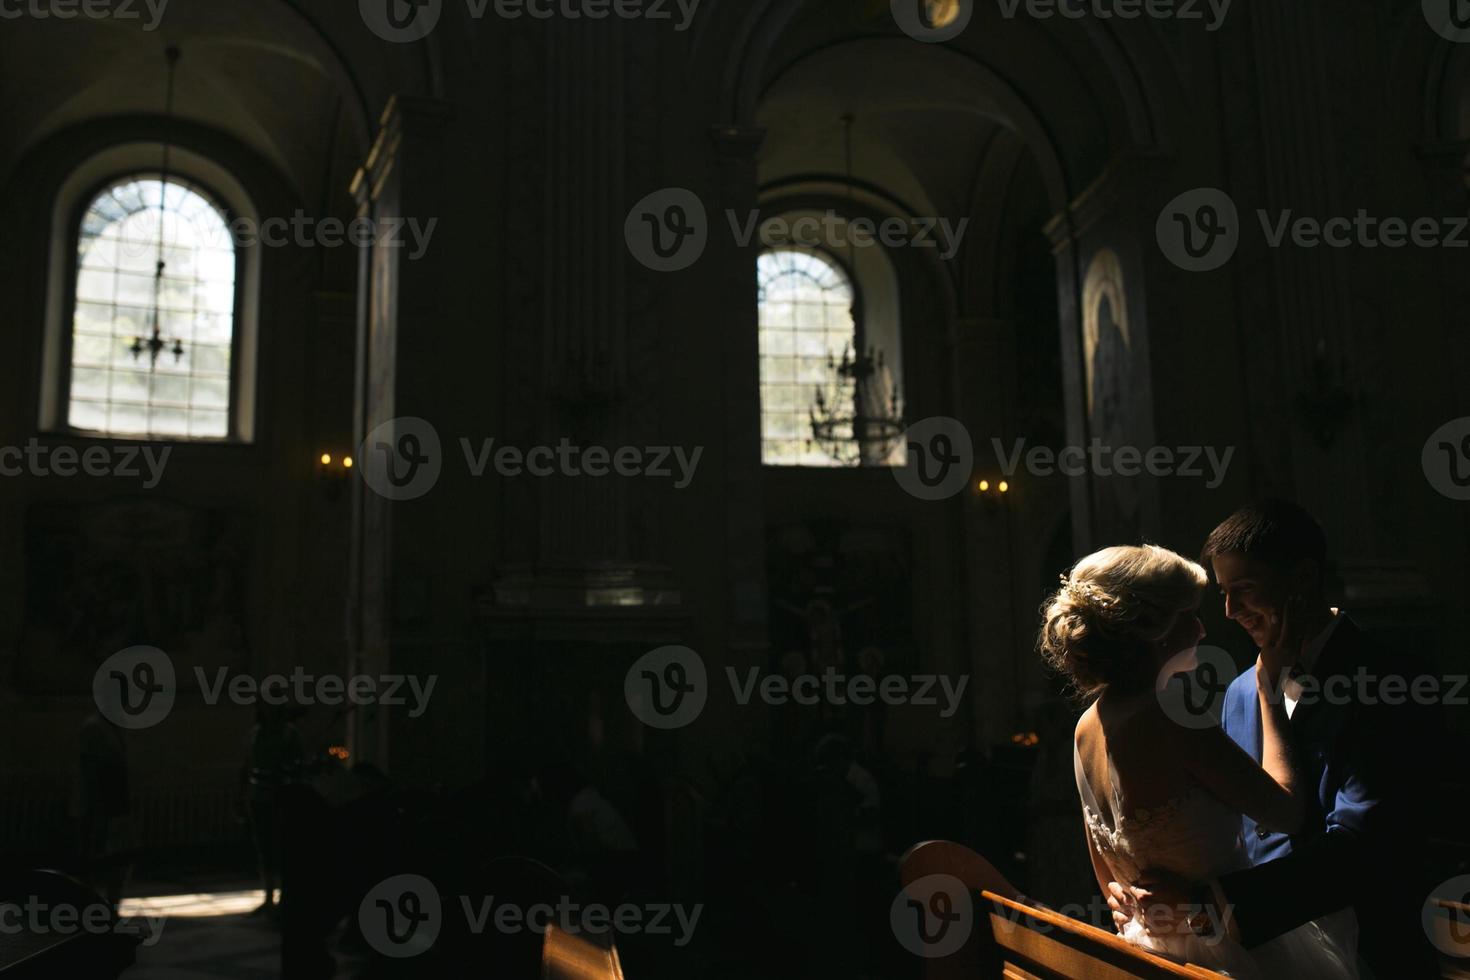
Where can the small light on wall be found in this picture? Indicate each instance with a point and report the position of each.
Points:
(332, 470)
(1004, 487)
(984, 486)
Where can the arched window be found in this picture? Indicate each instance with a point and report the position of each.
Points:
(829, 346)
(151, 252)
(806, 322)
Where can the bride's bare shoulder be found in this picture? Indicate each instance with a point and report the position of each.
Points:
(1088, 727)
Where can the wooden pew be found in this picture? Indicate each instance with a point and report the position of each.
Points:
(71, 951)
(569, 957)
(1019, 941)
(1452, 932)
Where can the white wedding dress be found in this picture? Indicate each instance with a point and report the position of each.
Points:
(1197, 837)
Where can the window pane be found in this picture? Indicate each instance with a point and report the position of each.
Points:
(88, 415)
(92, 349)
(130, 385)
(211, 392)
(89, 383)
(169, 421)
(121, 289)
(209, 425)
(211, 360)
(96, 284)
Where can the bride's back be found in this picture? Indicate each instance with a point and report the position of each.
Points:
(1143, 809)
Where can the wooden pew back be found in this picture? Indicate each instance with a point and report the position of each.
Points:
(1450, 922)
(1019, 941)
(1042, 943)
(574, 957)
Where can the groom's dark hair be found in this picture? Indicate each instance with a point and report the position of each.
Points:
(1277, 532)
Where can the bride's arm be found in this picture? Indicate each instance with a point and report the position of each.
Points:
(1098, 867)
(1268, 793)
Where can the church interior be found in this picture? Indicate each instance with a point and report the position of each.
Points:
(474, 467)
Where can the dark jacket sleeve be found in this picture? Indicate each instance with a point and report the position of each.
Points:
(1318, 877)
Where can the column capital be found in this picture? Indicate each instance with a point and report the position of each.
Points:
(409, 116)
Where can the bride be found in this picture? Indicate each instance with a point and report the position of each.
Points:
(1163, 798)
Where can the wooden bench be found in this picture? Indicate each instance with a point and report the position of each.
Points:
(1451, 924)
(570, 957)
(1014, 939)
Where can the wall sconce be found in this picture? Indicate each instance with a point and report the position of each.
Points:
(333, 472)
(993, 495)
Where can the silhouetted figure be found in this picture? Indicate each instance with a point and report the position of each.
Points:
(105, 842)
(601, 846)
(274, 759)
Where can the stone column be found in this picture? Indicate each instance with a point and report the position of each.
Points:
(982, 350)
(739, 319)
(396, 300)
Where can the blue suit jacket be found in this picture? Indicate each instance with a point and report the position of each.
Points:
(1367, 753)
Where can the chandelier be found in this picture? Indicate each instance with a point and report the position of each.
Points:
(857, 416)
(155, 344)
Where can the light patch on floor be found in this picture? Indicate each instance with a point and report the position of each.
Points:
(198, 905)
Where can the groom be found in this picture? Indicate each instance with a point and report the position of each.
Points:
(1364, 746)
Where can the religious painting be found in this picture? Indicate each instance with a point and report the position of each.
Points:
(1107, 345)
(102, 576)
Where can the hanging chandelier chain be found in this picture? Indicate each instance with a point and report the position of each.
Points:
(857, 417)
(155, 343)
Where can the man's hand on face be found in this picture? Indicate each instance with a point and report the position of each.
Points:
(1284, 643)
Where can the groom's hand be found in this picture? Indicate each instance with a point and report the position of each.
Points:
(1283, 646)
(1163, 902)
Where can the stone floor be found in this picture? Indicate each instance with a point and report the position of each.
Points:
(233, 946)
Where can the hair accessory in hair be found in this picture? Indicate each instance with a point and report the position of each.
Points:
(1088, 594)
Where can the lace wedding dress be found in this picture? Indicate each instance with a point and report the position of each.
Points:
(1197, 837)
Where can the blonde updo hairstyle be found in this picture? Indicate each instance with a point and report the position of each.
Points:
(1113, 607)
